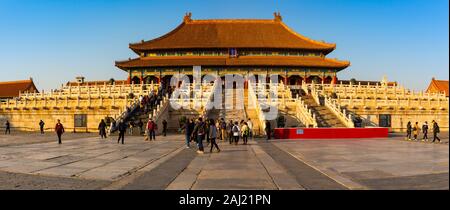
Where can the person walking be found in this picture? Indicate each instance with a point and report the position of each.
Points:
(41, 126)
(236, 132)
(122, 126)
(164, 131)
(245, 132)
(250, 128)
(141, 125)
(151, 129)
(223, 129)
(213, 136)
(416, 130)
(425, 131)
(102, 129)
(187, 132)
(268, 129)
(408, 131)
(8, 127)
(200, 132)
(436, 131)
(59, 129)
(131, 127)
(230, 132)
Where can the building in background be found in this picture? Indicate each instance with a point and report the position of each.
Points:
(438, 86)
(11, 89)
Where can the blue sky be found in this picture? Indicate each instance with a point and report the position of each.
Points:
(55, 40)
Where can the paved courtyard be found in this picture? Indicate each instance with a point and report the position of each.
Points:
(84, 161)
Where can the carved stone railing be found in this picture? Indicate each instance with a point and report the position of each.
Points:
(254, 100)
(340, 113)
(304, 114)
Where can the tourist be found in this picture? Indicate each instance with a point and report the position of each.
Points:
(213, 135)
(164, 131)
(187, 131)
(8, 127)
(131, 125)
(102, 129)
(207, 132)
(250, 127)
(219, 134)
(425, 131)
(435, 131)
(59, 129)
(268, 130)
(245, 132)
(41, 126)
(200, 132)
(236, 132)
(122, 129)
(191, 129)
(223, 129)
(416, 130)
(151, 129)
(140, 125)
(230, 132)
(112, 126)
(408, 130)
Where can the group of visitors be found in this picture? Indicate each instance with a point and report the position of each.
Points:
(212, 130)
(415, 129)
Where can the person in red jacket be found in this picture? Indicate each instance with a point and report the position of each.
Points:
(151, 129)
(59, 129)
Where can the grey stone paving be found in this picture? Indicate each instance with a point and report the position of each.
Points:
(90, 163)
(376, 163)
(305, 175)
(161, 176)
(418, 182)
(17, 181)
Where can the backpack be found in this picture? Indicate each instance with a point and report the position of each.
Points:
(201, 129)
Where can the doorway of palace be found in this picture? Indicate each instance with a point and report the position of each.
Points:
(150, 79)
(295, 80)
(136, 80)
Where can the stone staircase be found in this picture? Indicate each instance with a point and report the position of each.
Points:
(175, 116)
(325, 118)
(251, 113)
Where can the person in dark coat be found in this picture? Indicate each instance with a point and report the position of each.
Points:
(102, 129)
(141, 125)
(200, 132)
(59, 129)
(187, 131)
(8, 128)
(268, 130)
(122, 129)
(425, 131)
(408, 130)
(164, 131)
(41, 126)
(436, 130)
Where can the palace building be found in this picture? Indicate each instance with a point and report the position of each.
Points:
(11, 89)
(236, 46)
(308, 93)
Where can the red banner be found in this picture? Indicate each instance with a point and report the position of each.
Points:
(330, 133)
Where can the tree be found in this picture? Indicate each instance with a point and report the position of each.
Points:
(353, 81)
(112, 81)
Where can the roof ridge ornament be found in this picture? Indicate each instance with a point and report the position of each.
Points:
(187, 17)
(277, 17)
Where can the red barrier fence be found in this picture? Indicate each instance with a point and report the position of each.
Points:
(330, 133)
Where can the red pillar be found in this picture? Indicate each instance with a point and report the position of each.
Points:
(334, 80)
(129, 80)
